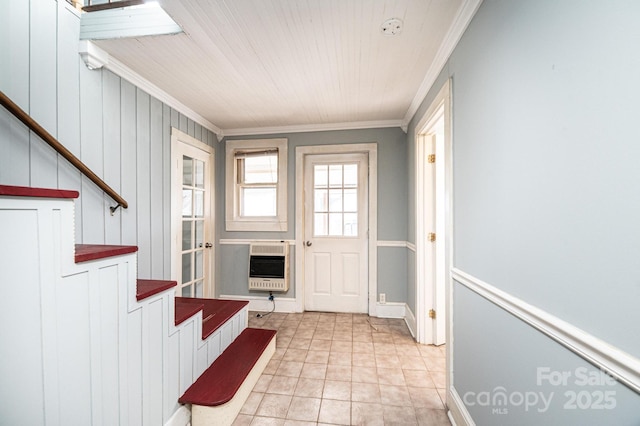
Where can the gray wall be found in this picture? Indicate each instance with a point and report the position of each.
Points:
(545, 142)
(392, 202)
(119, 131)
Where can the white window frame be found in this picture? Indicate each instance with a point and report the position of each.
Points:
(233, 220)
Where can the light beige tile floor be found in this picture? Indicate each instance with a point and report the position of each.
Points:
(345, 369)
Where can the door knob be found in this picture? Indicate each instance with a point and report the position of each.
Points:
(308, 243)
(208, 245)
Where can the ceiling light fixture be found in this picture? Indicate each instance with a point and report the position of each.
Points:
(391, 27)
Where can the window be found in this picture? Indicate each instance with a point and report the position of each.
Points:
(256, 185)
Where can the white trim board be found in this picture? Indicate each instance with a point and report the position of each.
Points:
(303, 128)
(239, 241)
(624, 367)
(458, 413)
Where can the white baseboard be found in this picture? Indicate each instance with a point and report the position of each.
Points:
(458, 414)
(390, 310)
(410, 319)
(262, 304)
(182, 417)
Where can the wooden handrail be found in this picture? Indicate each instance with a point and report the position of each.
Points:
(60, 149)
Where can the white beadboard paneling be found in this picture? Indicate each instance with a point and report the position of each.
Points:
(20, 327)
(112, 155)
(153, 362)
(108, 353)
(127, 22)
(156, 193)
(129, 188)
(143, 199)
(43, 91)
(166, 191)
(134, 367)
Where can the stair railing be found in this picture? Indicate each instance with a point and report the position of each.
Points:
(62, 150)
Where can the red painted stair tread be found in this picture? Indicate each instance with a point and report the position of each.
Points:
(87, 252)
(25, 191)
(215, 312)
(185, 309)
(147, 288)
(220, 382)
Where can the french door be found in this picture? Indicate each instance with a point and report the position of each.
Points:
(192, 245)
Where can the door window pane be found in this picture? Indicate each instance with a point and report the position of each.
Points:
(320, 224)
(199, 175)
(335, 224)
(187, 171)
(187, 242)
(186, 291)
(199, 233)
(335, 175)
(335, 200)
(351, 224)
(199, 288)
(186, 267)
(350, 200)
(187, 203)
(199, 203)
(199, 265)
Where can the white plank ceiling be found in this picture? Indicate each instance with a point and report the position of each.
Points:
(252, 66)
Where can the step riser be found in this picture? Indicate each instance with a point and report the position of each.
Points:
(225, 414)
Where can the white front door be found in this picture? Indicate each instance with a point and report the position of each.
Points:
(336, 232)
(192, 222)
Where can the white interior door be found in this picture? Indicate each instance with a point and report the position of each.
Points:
(192, 245)
(336, 232)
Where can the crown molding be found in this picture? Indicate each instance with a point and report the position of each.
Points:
(313, 128)
(96, 58)
(466, 12)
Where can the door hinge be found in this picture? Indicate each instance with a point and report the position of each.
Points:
(431, 158)
(432, 236)
(432, 314)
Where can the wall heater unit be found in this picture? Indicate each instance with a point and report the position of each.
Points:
(269, 266)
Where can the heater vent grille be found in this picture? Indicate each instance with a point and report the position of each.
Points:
(269, 267)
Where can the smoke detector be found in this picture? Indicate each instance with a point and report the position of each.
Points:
(391, 27)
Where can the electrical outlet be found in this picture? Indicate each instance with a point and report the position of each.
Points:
(383, 298)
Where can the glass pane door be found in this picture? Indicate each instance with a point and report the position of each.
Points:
(193, 226)
(335, 200)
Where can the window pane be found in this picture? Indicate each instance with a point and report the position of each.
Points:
(187, 171)
(199, 233)
(186, 267)
(320, 222)
(199, 174)
(199, 265)
(260, 169)
(350, 200)
(186, 235)
(335, 175)
(320, 203)
(199, 289)
(350, 175)
(186, 291)
(335, 200)
(258, 201)
(199, 204)
(321, 174)
(335, 223)
(351, 224)
(187, 208)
